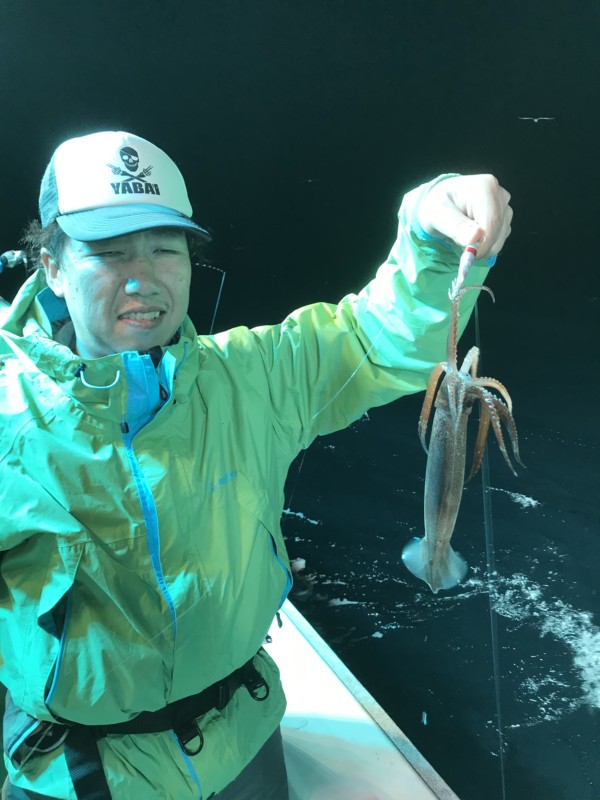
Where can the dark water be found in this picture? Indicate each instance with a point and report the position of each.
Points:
(357, 499)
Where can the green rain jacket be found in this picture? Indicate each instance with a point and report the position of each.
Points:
(141, 556)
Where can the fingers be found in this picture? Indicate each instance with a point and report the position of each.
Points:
(484, 202)
(468, 209)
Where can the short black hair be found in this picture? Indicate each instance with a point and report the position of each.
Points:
(34, 238)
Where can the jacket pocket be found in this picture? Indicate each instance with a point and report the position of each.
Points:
(46, 639)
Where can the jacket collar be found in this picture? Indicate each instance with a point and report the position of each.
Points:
(28, 332)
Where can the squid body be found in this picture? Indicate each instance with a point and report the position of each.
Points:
(431, 558)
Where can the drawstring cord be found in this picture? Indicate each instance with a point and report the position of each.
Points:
(79, 374)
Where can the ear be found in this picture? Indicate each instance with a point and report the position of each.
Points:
(54, 274)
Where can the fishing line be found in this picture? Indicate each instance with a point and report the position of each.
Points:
(327, 404)
(220, 292)
(359, 365)
(291, 496)
(491, 573)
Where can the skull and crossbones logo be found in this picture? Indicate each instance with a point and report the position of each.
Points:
(131, 160)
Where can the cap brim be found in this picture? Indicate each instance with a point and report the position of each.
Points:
(111, 221)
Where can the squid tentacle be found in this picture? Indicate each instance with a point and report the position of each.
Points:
(470, 362)
(481, 441)
(453, 332)
(428, 402)
(495, 384)
(511, 427)
(495, 406)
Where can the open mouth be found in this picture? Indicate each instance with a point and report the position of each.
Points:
(141, 316)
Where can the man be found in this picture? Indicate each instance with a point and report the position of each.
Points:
(142, 468)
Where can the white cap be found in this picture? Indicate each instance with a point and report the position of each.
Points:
(111, 183)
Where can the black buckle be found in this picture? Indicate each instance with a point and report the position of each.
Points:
(254, 682)
(187, 735)
(44, 739)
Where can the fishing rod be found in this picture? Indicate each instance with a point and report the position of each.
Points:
(13, 258)
(219, 293)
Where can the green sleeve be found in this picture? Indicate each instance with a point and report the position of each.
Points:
(329, 364)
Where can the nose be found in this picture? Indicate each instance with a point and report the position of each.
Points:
(142, 279)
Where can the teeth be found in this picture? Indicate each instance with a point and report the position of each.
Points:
(141, 315)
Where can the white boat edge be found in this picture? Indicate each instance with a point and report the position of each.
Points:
(339, 743)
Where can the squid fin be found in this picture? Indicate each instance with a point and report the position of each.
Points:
(445, 575)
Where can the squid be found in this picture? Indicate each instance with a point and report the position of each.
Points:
(431, 558)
